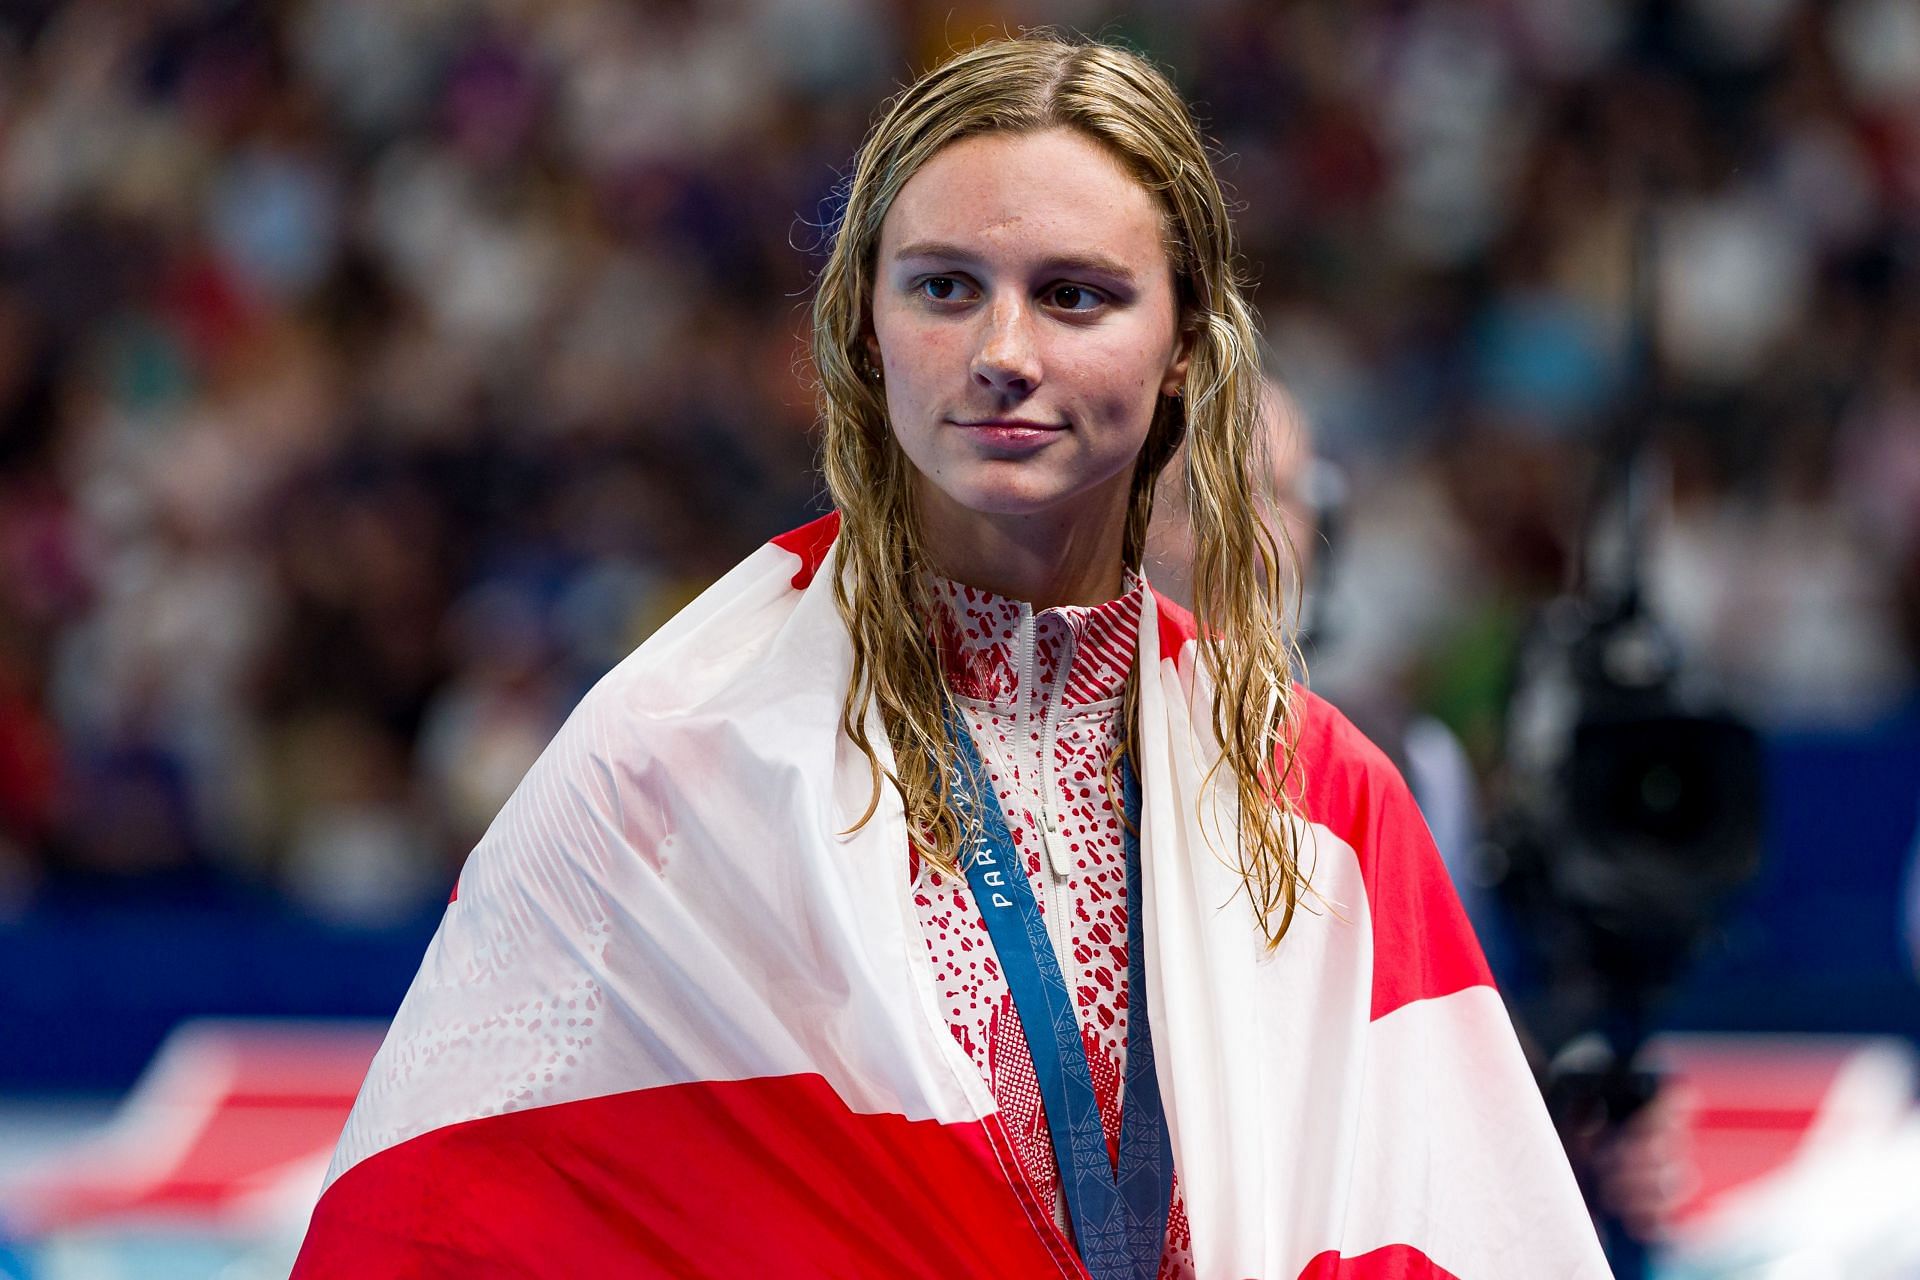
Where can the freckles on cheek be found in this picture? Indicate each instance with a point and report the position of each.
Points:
(942, 343)
(901, 334)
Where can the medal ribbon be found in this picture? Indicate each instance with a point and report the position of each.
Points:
(1119, 1215)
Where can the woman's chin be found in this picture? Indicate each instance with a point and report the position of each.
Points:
(1001, 503)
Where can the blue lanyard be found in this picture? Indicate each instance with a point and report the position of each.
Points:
(1119, 1217)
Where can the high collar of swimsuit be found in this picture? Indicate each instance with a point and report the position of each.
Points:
(1002, 653)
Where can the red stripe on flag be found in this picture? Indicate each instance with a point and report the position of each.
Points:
(746, 1178)
(1793, 1120)
(810, 542)
(1423, 946)
(1394, 1262)
(1176, 628)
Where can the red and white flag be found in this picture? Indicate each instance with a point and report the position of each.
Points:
(679, 1018)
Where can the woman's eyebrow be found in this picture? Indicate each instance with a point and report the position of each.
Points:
(934, 249)
(1068, 263)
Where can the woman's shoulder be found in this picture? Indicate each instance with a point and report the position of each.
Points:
(735, 698)
(754, 626)
(1333, 773)
(1320, 740)
(1344, 784)
(740, 664)
(1337, 778)
(1342, 761)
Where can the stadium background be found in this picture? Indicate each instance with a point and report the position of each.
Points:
(375, 373)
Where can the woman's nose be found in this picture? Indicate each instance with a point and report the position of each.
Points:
(1007, 359)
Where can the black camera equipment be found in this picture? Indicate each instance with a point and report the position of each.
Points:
(1632, 808)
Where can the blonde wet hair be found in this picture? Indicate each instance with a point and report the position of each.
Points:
(1122, 103)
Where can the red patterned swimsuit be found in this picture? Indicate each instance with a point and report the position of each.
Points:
(1042, 694)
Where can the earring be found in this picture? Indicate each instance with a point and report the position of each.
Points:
(870, 369)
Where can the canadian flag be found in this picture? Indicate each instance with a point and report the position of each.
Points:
(679, 1019)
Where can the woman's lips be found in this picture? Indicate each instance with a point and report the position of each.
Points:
(1012, 433)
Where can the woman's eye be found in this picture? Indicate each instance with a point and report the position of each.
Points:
(940, 288)
(1073, 297)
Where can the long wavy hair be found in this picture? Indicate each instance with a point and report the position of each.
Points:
(1121, 102)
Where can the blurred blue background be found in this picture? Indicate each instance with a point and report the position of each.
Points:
(375, 373)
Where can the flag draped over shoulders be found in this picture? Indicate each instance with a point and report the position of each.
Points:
(679, 1018)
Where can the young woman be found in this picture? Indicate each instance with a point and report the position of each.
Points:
(928, 899)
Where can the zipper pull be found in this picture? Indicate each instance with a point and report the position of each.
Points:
(1051, 842)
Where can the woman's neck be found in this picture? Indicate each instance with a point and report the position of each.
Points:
(1045, 559)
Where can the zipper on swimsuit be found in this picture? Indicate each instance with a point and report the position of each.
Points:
(1053, 861)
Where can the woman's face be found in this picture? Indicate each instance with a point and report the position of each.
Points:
(1025, 321)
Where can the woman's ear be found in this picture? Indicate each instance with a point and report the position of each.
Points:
(1176, 375)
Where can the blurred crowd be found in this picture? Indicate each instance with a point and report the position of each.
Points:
(374, 374)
